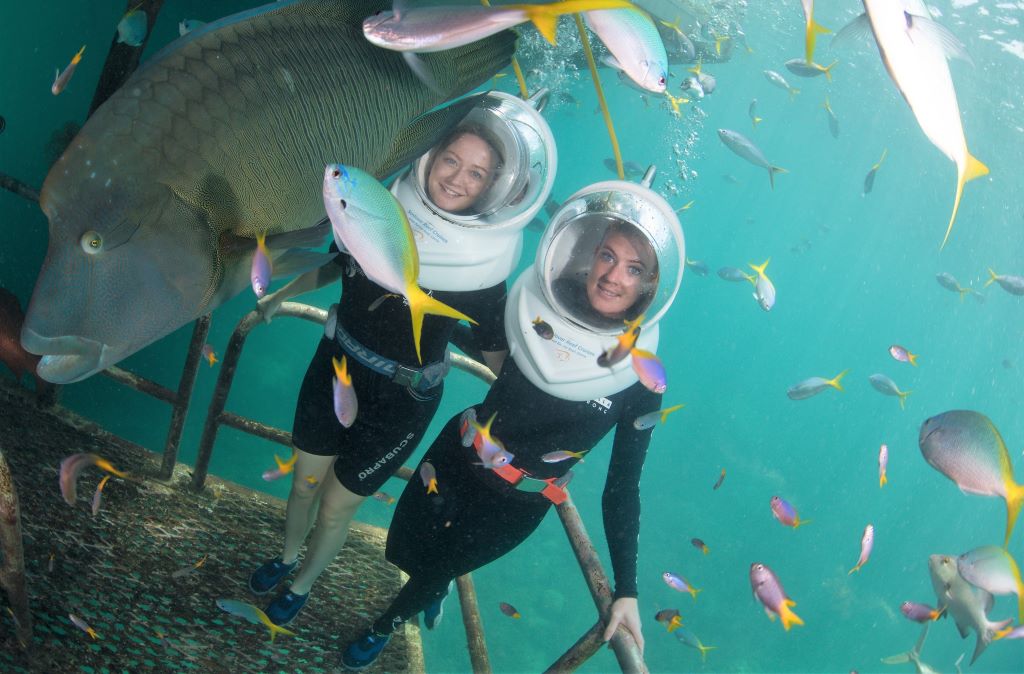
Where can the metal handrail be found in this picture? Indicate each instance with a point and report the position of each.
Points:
(625, 647)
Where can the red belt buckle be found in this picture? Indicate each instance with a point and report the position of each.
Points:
(555, 493)
(509, 473)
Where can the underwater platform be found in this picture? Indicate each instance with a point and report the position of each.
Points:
(117, 570)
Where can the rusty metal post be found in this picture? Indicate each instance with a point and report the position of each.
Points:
(12, 572)
(14, 185)
(179, 409)
(228, 366)
(580, 652)
(123, 59)
(475, 641)
(626, 650)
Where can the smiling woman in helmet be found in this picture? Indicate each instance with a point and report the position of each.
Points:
(613, 251)
(463, 169)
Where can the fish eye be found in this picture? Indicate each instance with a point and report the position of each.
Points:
(344, 204)
(91, 242)
(336, 173)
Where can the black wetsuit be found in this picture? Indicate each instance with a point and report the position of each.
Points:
(478, 517)
(392, 419)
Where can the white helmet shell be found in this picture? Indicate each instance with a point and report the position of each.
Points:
(479, 249)
(555, 346)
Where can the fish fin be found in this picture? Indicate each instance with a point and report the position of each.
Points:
(903, 399)
(856, 568)
(422, 70)
(934, 33)
(308, 237)
(1014, 501)
(834, 381)
(814, 29)
(704, 650)
(828, 70)
(612, 62)
(896, 659)
(772, 170)
(299, 261)
(421, 304)
(882, 480)
(973, 169)
(670, 410)
(991, 278)
(793, 91)
(760, 268)
(912, 357)
(787, 616)
(423, 133)
(78, 57)
(544, 20)
(757, 120)
(858, 29)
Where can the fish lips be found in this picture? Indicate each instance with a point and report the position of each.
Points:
(67, 359)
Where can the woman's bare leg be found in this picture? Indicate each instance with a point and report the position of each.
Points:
(337, 507)
(303, 500)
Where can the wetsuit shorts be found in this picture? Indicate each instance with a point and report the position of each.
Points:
(390, 423)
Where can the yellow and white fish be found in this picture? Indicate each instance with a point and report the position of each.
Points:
(812, 30)
(914, 49)
(373, 227)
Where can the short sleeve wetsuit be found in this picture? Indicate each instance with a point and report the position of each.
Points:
(392, 418)
(478, 517)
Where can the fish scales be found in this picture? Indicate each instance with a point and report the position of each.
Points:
(221, 136)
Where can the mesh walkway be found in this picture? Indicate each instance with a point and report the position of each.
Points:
(115, 570)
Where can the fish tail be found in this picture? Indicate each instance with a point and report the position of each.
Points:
(834, 382)
(828, 70)
(787, 616)
(903, 399)
(793, 91)
(759, 268)
(694, 592)
(704, 650)
(912, 357)
(813, 30)
(799, 522)
(670, 410)
(757, 120)
(856, 568)
(772, 170)
(274, 629)
(78, 57)
(109, 467)
(972, 169)
(421, 304)
(991, 278)
(882, 480)
(1014, 501)
(432, 487)
(341, 370)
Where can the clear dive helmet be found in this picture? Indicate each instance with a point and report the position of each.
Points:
(479, 247)
(553, 292)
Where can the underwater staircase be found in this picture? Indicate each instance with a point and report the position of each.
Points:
(123, 571)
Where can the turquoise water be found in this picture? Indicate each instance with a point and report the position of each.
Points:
(854, 274)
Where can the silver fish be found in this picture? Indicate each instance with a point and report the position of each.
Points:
(887, 386)
(699, 267)
(764, 289)
(1011, 284)
(968, 605)
(155, 206)
(833, 121)
(780, 81)
(752, 113)
(802, 68)
(812, 386)
(734, 274)
(746, 149)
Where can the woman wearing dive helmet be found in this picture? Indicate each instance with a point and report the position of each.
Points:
(613, 252)
(463, 201)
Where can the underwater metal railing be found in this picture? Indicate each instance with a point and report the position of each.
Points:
(625, 647)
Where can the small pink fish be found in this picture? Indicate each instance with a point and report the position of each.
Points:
(262, 269)
(721, 479)
(82, 625)
(62, 78)
(283, 467)
(429, 477)
(677, 582)
(785, 513)
(670, 617)
(883, 462)
(209, 355)
(491, 451)
(384, 497)
(920, 613)
(346, 405)
(768, 590)
(72, 466)
(902, 355)
(185, 571)
(98, 495)
(509, 610)
(650, 370)
(867, 542)
(626, 342)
